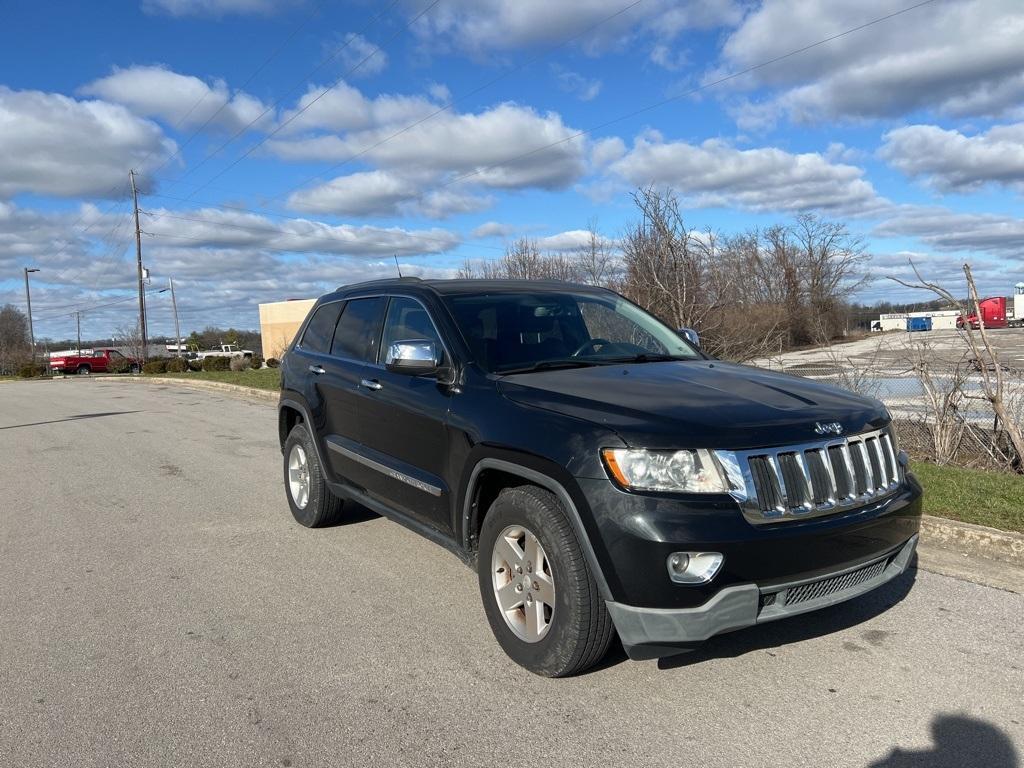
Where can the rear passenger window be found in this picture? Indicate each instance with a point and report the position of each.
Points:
(320, 330)
(359, 329)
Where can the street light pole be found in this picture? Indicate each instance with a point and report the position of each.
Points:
(28, 300)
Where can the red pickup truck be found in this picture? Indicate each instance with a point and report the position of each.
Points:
(96, 361)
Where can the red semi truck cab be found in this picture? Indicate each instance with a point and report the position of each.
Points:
(993, 314)
(96, 361)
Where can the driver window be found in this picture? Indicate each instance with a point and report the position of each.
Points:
(407, 320)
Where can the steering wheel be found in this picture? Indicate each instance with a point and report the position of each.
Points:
(590, 344)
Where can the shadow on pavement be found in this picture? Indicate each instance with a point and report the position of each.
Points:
(798, 628)
(70, 418)
(352, 514)
(958, 741)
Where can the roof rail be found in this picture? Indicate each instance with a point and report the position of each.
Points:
(380, 281)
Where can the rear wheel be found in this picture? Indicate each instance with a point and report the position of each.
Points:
(311, 501)
(84, 370)
(539, 595)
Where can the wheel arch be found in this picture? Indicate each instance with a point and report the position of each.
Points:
(492, 475)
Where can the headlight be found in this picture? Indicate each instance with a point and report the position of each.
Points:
(693, 471)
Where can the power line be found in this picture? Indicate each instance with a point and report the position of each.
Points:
(252, 76)
(93, 307)
(689, 92)
(277, 102)
(265, 139)
(461, 97)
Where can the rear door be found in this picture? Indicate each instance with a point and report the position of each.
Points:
(354, 344)
(406, 420)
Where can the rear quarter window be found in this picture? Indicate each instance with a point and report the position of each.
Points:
(320, 331)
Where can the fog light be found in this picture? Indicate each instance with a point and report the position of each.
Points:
(694, 567)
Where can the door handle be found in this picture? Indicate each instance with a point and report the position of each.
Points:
(316, 369)
(371, 384)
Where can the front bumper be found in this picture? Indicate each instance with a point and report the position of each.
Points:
(648, 633)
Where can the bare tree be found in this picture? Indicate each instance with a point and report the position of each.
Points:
(14, 339)
(984, 357)
(595, 261)
(129, 338)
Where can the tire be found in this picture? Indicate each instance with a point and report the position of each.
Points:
(133, 368)
(317, 506)
(562, 639)
(83, 370)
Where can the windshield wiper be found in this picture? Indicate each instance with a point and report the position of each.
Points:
(646, 357)
(550, 365)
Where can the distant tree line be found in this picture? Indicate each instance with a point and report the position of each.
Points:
(748, 294)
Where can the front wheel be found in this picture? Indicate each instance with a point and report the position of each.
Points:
(539, 595)
(84, 370)
(311, 501)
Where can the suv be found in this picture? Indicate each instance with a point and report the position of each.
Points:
(599, 472)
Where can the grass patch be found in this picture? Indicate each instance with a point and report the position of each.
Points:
(264, 378)
(995, 499)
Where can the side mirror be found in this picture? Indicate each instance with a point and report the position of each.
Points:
(414, 357)
(691, 336)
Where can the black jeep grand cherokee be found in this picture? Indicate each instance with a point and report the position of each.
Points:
(600, 473)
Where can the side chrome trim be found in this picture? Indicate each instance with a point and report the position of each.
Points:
(549, 483)
(384, 469)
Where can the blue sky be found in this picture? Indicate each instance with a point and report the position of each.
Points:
(910, 131)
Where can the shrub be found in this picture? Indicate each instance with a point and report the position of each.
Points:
(273, 362)
(30, 370)
(195, 365)
(156, 365)
(239, 363)
(257, 362)
(177, 365)
(216, 363)
(118, 366)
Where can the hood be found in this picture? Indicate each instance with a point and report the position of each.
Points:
(696, 404)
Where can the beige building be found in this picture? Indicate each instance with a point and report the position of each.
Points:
(279, 321)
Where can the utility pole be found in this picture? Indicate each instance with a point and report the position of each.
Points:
(138, 264)
(78, 324)
(28, 300)
(174, 304)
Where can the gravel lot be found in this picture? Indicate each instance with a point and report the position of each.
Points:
(158, 607)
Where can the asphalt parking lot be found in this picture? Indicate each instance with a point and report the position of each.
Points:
(159, 607)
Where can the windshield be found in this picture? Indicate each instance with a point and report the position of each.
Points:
(521, 331)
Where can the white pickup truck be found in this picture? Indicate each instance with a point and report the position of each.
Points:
(226, 350)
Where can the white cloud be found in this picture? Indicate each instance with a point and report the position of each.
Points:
(947, 230)
(492, 229)
(218, 228)
(951, 161)
(961, 57)
(383, 193)
(570, 240)
(486, 26)
(360, 52)
(714, 173)
(155, 91)
(215, 8)
(504, 147)
(56, 145)
(579, 86)
(665, 57)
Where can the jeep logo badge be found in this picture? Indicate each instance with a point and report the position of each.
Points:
(828, 428)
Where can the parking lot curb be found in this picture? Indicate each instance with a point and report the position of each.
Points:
(974, 540)
(267, 395)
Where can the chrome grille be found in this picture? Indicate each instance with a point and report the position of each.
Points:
(792, 482)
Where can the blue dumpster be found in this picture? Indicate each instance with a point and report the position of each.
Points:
(919, 324)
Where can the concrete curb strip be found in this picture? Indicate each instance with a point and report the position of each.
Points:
(269, 395)
(975, 540)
